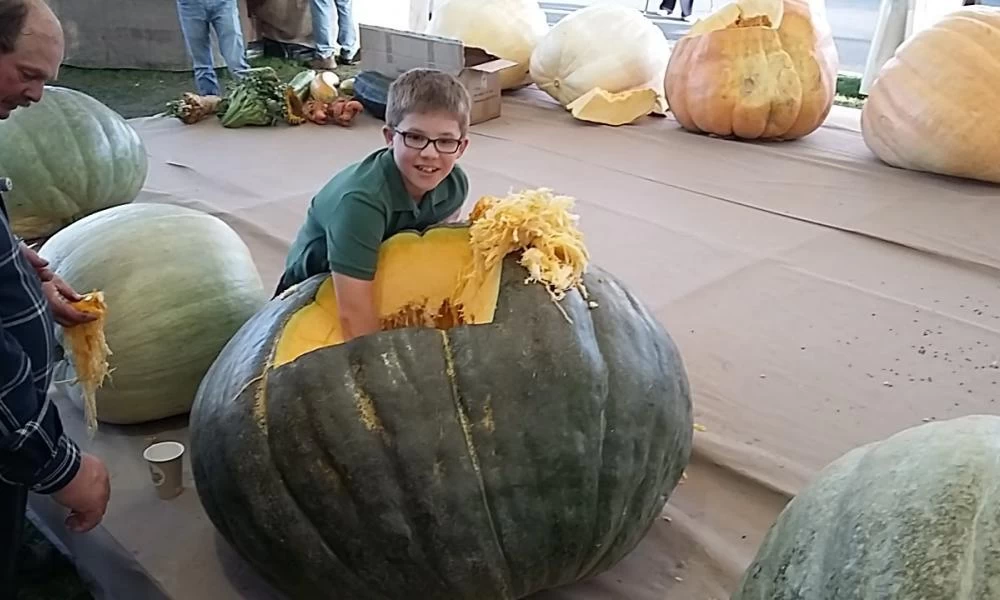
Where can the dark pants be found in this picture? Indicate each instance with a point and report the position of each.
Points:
(686, 6)
(13, 502)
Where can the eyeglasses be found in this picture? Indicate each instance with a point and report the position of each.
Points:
(418, 141)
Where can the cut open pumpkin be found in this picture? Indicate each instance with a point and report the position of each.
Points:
(415, 283)
(450, 275)
(741, 14)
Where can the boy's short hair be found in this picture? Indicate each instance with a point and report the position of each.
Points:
(427, 90)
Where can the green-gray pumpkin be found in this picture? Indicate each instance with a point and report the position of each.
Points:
(178, 284)
(913, 517)
(69, 156)
(458, 462)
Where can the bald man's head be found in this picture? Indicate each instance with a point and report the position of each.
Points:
(31, 50)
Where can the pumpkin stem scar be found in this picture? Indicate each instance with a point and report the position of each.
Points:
(463, 420)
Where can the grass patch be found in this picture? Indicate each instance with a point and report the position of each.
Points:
(141, 93)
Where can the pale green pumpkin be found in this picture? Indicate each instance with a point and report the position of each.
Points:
(178, 284)
(914, 517)
(69, 156)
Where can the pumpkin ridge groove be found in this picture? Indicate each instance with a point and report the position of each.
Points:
(111, 150)
(53, 188)
(463, 418)
(91, 119)
(967, 582)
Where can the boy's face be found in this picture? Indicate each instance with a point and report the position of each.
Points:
(423, 162)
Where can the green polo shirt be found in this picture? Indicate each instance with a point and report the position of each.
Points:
(357, 210)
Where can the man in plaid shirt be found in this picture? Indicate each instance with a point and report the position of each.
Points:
(35, 453)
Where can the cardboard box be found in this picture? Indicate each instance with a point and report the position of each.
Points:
(392, 52)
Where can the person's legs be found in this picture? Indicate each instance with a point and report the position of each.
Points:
(322, 12)
(193, 16)
(13, 501)
(226, 23)
(346, 37)
(686, 8)
(667, 5)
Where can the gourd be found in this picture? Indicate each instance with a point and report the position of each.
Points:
(574, 57)
(930, 107)
(912, 517)
(177, 283)
(507, 29)
(755, 69)
(496, 438)
(69, 156)
(598, 106)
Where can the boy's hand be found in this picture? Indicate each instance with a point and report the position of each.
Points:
(356, 304)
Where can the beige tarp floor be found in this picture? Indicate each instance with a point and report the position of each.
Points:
(821, 300)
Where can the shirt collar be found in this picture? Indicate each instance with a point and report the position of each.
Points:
(401, 200)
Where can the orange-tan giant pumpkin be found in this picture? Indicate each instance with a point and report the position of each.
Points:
(755, 69)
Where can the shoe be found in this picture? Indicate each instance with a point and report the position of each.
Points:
(343, 59)
(323, 64)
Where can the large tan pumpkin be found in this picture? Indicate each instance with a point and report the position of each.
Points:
(934, 106)
(755, 69)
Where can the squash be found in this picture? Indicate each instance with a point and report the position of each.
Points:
(177, 283)
(599, 106)
(323, 87)
(740, 74)
(929, 109)
(503, 434)
(912, 517)
(605, 46)
(69, 156)
(507, 29)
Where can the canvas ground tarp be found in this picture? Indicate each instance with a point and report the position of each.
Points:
(821, 300)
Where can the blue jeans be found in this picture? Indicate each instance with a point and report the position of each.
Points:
(322, 34)
(197, 17)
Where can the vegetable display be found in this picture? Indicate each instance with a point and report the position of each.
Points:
(517, 425)
(912, 517)
(933, 106)
(68, 156)
(755, 69)
(573, 58)
(507, 29)
(262, 99)
(175, 284)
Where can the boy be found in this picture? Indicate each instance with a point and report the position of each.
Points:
(411, 183)
(196, 17)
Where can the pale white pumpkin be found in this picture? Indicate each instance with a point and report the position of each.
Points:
(507, 29)
(605, 46)
(933, 107)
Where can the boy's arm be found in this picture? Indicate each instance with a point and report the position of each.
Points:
(354, 235)
(356, 304)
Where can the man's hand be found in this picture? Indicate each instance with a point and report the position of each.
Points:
(40, 264)
(86, 495)
(356, 305)
(58, 292)
(59, 295)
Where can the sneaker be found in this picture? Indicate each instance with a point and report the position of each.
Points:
(343, 59)
(323, 64)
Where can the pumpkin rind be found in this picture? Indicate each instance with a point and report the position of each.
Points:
(478, 462)
(932, 107)
(756, 82)
(69, 156)
(913, 517)
(178, 283)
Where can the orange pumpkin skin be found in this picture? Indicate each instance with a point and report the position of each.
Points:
(932, 107)
(756, 82)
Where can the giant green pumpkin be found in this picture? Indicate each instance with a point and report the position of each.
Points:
(914, 517)
(69, 156)
(482, 458)
(178, 284)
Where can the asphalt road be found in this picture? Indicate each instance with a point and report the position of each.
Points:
(852, 22)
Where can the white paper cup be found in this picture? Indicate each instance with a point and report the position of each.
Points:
(166, 468)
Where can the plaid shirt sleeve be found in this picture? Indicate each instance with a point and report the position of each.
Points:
(34, 449)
